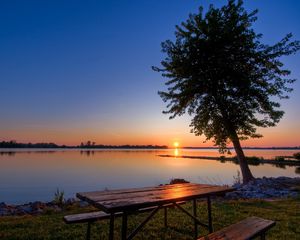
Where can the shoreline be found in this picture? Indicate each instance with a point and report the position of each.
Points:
(251, 161)
(260, 188)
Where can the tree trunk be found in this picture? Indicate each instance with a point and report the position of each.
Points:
(246, 173)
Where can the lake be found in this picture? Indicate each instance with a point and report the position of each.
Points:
(35, 174)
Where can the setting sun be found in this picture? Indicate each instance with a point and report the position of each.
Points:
(176, 144)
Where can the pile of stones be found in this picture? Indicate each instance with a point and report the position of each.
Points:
(32, 208)
(266, 188)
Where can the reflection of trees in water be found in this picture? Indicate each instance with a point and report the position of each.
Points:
(10, 153)
(281, 165)
(87, 152)
(297, 170)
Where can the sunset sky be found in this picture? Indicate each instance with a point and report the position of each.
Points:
(73, 71)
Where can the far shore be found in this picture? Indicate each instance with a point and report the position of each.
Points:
(251, 160)
(141, 147)
(92, 145)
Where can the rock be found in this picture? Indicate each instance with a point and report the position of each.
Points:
(2, 205)
(70, 201)
(178, 180)
(4, 212)
(23, 209)
(83, 204)
(262, 188)
(56, 208)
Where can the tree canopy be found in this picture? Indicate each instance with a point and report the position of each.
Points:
(219, 72)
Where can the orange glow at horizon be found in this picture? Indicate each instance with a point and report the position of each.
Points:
(280, 136)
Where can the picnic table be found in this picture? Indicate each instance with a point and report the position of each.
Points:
(129, 201)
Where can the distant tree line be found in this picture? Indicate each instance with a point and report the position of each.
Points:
(14, 144)
(86, 145)
(90, 144)
(262, 148)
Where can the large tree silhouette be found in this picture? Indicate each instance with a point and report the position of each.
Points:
(220, 73)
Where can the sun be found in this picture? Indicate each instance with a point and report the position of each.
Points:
(176, 144)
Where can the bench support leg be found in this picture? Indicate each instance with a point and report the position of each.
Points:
(210, 227)
(190, 215)
(124, 225)
(111, 226)
(88, 231)
(195, 215)
(166, 217)
(263, 236)
(142, 224)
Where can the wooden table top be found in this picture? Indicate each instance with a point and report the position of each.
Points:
(112, 201)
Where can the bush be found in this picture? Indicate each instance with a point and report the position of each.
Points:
(237, 180)
(279, 158)
(178, 180)
(254, 160)
(59, 197)
(235, 160)
(297, 155)
(222, 159)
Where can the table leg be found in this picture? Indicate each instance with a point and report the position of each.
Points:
(166, 217)
(195, 215)
(88, 231)
(210, 227)
(124, 226)
(142, 224)
(111, 226)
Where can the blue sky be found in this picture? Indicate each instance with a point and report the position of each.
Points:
(73, 71)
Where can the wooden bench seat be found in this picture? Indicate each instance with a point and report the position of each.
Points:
(91, 217)
(99, 215)
(248, 228)
(87, 217)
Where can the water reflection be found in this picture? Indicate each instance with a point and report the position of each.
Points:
(9, 153)
(176, 152)
(87, 152)
(29, 175)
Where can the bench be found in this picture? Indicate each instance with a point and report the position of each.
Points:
(248, 228)
(91, 217)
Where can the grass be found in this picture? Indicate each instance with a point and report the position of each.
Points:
(286, 213)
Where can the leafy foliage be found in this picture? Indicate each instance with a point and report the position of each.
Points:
(279, 158)
(297, 155)
(59, 197)
(221, 74)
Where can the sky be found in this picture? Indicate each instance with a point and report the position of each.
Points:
(73, 71)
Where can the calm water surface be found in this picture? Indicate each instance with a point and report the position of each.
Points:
(30, 175)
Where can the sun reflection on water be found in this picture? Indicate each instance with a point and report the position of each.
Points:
(176, 152)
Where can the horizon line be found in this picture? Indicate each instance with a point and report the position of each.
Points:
(15, 144)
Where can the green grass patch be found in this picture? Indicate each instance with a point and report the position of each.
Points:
(50, 225)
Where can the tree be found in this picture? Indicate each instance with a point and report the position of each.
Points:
(220, 73)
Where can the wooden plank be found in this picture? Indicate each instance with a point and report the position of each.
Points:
(107, 195)
(243, 230)
(137, 190)
(167, 194)
(86, 217)
(140, 199)
(100, 215)
(116, 191)
(99, 196)
(93, 197)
